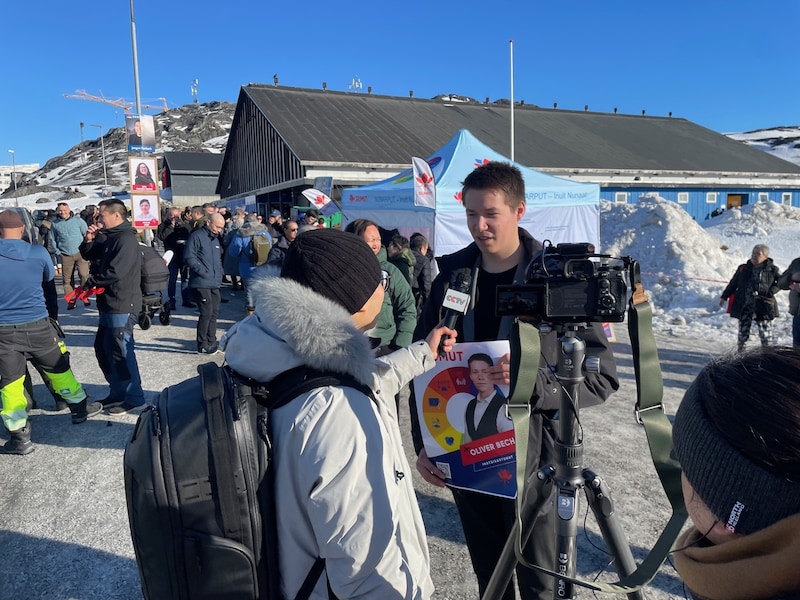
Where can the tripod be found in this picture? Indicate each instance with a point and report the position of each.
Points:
(568, 476)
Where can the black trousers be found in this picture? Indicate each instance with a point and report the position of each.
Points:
(487, 522)
(208, 302)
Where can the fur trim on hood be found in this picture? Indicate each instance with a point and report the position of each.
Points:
(292, 326)
(250, 229)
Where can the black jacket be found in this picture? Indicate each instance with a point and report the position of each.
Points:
(174, 237)
(278, 252)
(547, 394)
(117, 268)
(757, 297)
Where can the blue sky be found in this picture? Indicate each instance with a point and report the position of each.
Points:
(729, 65)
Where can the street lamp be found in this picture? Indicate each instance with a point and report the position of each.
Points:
(103, 149)
(13, 169)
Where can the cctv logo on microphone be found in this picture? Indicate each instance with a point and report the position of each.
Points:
(458, 301)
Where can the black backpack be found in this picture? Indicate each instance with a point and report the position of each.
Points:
(199, 485)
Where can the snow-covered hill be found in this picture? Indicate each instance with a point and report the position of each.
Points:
(77, 175)
(783, 142)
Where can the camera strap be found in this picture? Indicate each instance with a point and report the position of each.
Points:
(649, 410)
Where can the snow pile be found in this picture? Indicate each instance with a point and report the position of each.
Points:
(685, 266)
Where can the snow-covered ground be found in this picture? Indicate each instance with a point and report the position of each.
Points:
(685, 265)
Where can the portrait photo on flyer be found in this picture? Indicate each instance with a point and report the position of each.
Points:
(465, 428)
(145, 210)
(143, 173)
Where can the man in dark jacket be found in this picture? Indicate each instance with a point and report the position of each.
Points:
(494, 199)
(421, 279)
(117, 268)
(278, 251)
(203, 256)
(174, 233)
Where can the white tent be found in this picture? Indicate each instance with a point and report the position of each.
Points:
(558, 210)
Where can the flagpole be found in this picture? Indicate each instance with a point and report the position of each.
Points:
(511, 47)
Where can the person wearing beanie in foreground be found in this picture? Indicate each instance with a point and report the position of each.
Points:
(737, 437)
(26, 333)
(344, 486)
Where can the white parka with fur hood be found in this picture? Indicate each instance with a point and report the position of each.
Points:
(344, 484)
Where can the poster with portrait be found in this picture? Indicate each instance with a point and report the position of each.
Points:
(465, 429)
(141, 133)
(145, 210)
(143, 173)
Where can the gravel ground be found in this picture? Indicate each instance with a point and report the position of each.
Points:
(63, 522)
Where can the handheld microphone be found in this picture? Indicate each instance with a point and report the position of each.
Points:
(456, 301)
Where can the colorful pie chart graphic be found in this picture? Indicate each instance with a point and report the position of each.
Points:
(444, 402)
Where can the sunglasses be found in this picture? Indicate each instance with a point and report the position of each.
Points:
(291, 229)
(385, 279)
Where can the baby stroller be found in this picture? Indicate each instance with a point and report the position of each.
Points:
(155, 276)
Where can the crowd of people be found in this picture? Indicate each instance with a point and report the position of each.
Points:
(355, 301)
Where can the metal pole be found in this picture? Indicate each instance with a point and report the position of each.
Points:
(511, 46)
(13, 169)
(103, 150)
(135, 63)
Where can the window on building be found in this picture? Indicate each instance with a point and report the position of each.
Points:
(763, 196)
(683, 197)
(786, 198)
(711, 197)
(621, 197)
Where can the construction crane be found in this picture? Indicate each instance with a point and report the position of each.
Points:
(125, 105)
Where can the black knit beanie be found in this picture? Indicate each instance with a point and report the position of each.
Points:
(335, 264)
(743, 495)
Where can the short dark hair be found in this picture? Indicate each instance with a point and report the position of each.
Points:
(115, 206)
(496, 175)
(400, 241)
(417, 241)
(480, 356)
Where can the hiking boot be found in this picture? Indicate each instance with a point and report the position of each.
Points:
(83, 410)
(20, 442)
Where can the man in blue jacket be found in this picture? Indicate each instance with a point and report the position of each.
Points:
(26, 333)
(68, 231)
(204, 258)
(112, 244)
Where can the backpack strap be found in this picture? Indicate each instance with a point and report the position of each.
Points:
(280, 391)
(295, 382)
(213, 386)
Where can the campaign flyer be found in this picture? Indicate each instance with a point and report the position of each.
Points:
(465, 428)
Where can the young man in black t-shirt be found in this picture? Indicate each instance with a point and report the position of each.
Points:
(494, 200)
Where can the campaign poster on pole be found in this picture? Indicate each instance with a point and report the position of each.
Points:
(145, 210)
(142, 173)
(141, 133)
(462, 415)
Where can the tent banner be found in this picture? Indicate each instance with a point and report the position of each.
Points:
(424, 188)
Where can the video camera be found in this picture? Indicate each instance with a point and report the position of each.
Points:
(569, 283)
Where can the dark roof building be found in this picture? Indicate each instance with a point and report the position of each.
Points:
(282, 139)
(191, 177)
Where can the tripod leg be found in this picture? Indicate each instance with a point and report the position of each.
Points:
(539, 490)
(603, 509)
